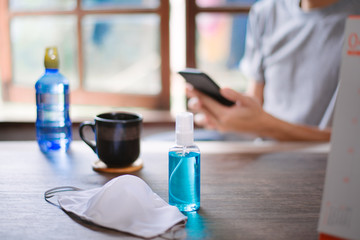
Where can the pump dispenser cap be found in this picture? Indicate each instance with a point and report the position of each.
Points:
(51, 60)
(184, 129)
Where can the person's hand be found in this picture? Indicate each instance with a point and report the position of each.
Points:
(246, 115)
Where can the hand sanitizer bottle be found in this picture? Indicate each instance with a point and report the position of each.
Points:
(184, 166)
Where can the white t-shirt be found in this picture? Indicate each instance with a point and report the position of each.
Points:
(297, 55)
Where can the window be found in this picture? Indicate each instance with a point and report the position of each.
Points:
(114, 52)
(216, 32)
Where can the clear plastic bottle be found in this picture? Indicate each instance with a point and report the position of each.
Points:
(184, 166)
(53, 125)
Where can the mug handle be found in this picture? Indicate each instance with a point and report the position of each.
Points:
(81, 127)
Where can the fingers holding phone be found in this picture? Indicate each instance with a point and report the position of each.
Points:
(243, 116)
(204, 84)
(206, 109)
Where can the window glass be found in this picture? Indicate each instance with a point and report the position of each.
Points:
(122, 53)
(218, 3)
(108, 4)
(36, 5)
(220, 47)
(30, 36)
(0, 88)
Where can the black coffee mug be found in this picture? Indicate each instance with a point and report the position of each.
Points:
(117, 137)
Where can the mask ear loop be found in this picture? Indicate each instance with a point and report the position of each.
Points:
(53, 192)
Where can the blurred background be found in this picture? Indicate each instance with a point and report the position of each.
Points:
(118, 54)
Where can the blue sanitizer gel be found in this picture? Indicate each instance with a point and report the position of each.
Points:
(184, 167)
(184, 180)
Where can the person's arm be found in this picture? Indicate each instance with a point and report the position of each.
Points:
(248, 116)
(256, 90)
(285, 131)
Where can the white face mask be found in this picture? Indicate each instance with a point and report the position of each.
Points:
(125, 203)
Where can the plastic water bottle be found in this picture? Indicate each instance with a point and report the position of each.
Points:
(184, 166)
(53, 125)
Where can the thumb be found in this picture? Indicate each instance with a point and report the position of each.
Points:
(234, 96)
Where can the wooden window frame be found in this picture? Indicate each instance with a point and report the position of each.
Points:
(14, 93)
(192, 9)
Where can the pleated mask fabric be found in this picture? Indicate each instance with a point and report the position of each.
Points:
(126, 203)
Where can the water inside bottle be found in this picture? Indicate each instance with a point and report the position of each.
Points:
(54, 138)
(53, 125)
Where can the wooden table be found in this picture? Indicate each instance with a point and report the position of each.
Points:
(248, 190)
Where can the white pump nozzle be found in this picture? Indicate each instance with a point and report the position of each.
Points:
(184, 129)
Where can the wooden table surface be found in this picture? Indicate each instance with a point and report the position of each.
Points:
(248, 190)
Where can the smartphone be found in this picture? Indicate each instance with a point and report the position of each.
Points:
(204, 84)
